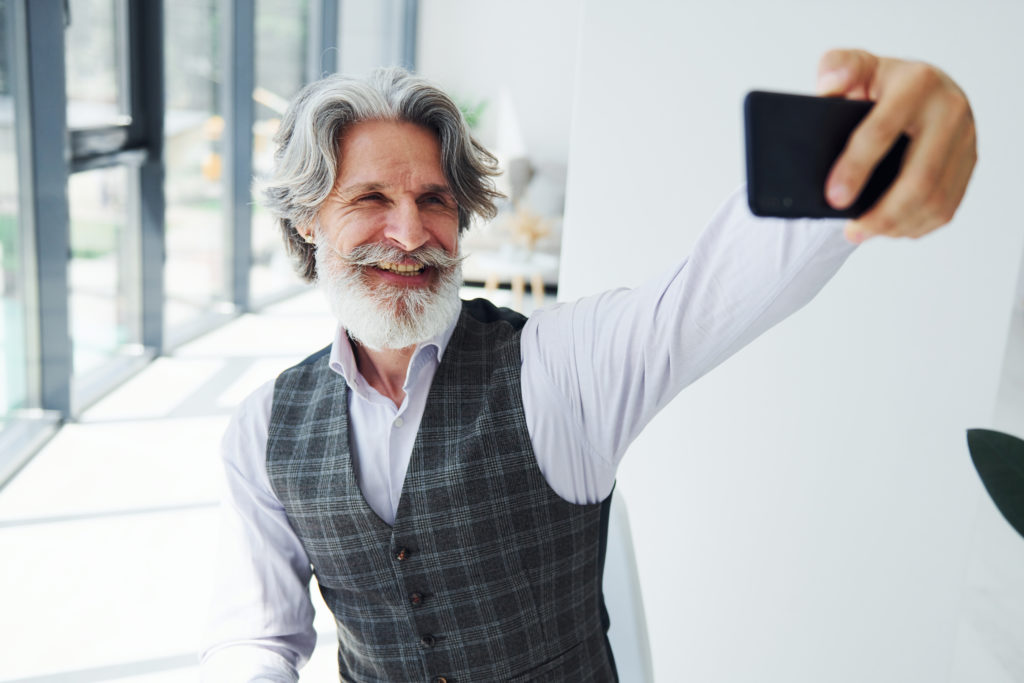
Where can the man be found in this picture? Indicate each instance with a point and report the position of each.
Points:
(444, 468)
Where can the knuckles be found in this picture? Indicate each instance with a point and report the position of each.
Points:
(832, 59)
(955, 102)
(924, 75)
(884, 223)
(939, 209)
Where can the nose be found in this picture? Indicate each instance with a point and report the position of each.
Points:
(405, 226)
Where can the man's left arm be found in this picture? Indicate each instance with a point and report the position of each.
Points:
(595, 372)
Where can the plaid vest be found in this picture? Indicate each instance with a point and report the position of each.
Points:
(487, 574)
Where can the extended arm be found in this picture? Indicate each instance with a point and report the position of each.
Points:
(596, 371)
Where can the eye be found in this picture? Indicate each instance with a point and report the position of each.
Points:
(436, 199)
(372, 197)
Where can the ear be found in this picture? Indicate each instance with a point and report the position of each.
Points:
(307, 232)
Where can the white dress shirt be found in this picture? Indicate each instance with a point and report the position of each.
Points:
(594, 373)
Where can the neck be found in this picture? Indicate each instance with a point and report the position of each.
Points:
(384, 369)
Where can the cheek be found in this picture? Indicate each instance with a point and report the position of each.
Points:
(450, 241)
(446, 231)
(350, 231)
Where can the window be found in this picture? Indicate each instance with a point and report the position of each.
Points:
(104, 271)
(13, 375)
(196, 271)
(281, 42)
(94, 62)
(129, 133)
(373, 34)
(104, 282)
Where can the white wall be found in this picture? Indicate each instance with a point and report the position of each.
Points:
(527, 48)
(808, 512)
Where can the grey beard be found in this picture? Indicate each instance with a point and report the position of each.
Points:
(387, 316)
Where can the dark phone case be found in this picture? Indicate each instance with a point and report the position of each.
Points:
(792, 142)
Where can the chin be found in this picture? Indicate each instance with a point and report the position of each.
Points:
(387, 316)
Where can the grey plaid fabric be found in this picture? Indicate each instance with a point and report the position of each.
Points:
(487, 575)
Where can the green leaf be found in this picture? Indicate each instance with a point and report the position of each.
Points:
(999, 459)
(471, 112)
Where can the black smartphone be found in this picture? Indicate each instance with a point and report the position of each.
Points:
(792, 142)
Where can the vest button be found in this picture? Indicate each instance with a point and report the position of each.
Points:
(402, 554)
(416, 599)
(428, 640)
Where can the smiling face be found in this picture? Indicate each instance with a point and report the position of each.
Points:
(390, 190)
(387, 236)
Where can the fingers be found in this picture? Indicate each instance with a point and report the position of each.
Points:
(848, 73)
(903, 207)
(912, 98)
(959, 179)
(873, 138)
(929, 206)
(938, 207)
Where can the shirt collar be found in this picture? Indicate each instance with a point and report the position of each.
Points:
(343, 359)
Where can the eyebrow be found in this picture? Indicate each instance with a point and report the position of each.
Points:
(362, 188)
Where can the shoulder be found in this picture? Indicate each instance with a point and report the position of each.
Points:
(251, 413)
(485, 326)
(320, 357)
(247, 431)
(484, 312)
(245, 438)
(484, 336)
(299, 374)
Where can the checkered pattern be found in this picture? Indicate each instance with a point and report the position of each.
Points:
(487, 575)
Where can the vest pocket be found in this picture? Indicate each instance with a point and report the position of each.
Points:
(550, 667)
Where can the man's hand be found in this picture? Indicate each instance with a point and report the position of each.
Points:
(912, 98)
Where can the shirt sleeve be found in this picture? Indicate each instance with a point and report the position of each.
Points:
(260, 626)
(596, 371)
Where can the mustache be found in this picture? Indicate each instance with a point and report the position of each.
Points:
(372, 254)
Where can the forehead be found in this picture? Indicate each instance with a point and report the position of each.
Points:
(389, 152)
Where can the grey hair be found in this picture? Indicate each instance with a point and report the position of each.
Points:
(307, 155)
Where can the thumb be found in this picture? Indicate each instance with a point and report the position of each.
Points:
(846, 73)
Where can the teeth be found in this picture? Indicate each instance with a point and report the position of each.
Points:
(400, 268)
